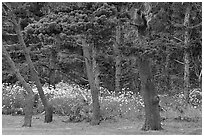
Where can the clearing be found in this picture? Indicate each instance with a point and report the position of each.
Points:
(11, 125)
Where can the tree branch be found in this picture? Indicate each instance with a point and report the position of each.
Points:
(178, 39)
(192, 27)
(179, 61)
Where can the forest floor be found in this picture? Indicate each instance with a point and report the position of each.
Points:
(11, 125)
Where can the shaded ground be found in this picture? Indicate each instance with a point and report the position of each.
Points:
(12, 125)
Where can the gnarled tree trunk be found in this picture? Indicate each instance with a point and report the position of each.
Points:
(151, 99)
(29, 96)
(94, 89)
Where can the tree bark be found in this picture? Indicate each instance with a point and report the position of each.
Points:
(151, 99)
(166, 72)
(52, 62)
(186, 55)
(29, 96)
(34, 74)
(95, 68)
(117, 60)
(135, 84)
(28, 109)
(94, 91)
(186, 76)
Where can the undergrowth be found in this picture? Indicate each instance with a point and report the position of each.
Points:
(76, 103)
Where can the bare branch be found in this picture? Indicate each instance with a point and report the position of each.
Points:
(179, 61)
(200, 76)
(198, 25)
(178, 39)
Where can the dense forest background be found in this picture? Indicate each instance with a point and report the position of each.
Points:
(42, 23)
(98, 46)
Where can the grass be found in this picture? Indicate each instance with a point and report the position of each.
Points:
(11, 125)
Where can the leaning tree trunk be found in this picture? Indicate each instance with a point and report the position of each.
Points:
(29, 96)
(94, 90)
(186, 55)
(34, 74)
(151, 99)
(117, 60)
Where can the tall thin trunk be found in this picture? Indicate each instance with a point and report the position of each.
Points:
(151, 99)
(166, 72)
(95, 68)
(186, 75)
(29, 96)
(94, 91)
(186, 54)
(52, 62)
(117, 60)
(34, 74)
(135, 76)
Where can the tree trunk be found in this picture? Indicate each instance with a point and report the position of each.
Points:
(29, 96)
(95, 68)
(117, 60)
(186, 55)
(94, 90)
(28, 109)
(135, 84)
(48, 108)
(186, 75)
(166, 72)
(151, 99)
(52, 61)
(34, 74)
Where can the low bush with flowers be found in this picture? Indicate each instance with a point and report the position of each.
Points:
(75, 102)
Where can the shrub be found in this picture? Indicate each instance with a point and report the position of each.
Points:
(124, 106)
(175, 108)
(195, 96)
(75, 102)
(12, 97)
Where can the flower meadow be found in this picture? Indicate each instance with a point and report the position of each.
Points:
(75, 102)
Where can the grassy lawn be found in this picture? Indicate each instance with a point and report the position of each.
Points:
(11, 125)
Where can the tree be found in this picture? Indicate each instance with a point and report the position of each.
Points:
(94, 90)
(151, 99)
(29, 95)
(188, 26)
(149, 93)
(87, 20)
(34, 74)
(96, 68)
(117, 59)
(186, 54)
